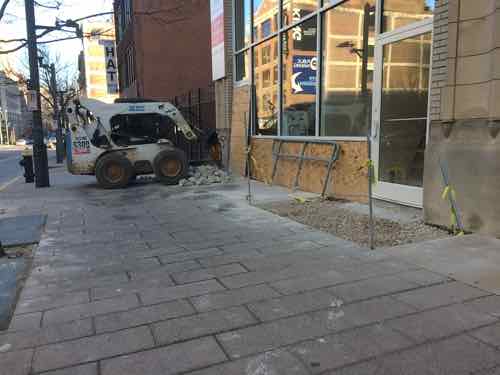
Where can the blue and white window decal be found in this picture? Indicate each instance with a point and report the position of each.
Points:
(304, 75)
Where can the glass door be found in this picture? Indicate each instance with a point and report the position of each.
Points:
(400, 124)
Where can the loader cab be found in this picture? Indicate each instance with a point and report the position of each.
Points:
(141, 128)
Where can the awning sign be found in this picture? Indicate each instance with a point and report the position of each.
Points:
(304, 69)
(111, 65)
(217, 29)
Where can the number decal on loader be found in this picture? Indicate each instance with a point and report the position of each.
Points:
(81, 145)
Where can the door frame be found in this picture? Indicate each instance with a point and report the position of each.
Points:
(397, 193)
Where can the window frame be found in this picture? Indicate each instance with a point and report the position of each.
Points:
(323, 6)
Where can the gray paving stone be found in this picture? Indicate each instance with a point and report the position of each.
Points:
(272, 274)
(142, 315)
(440, 295)
(68, 286)
(87, 369)
(491, 371)
(266, 337)
(339, 350)
(16, 363)
(156, 295)
(166, 269)
(90, 349)
(376, 310)
(219, 260)
(47, 335)
(490, 335)
(440, 323)
(276, 362)
(423, 277)
(287, 331)
(31, 321)
(188, 255)
(203, 324)
(459, 355)
(130, 287)
(233, 297)
(208, 273)
(168, 360)
(371, 288)
(46, 303)
(489, 305)
(292, 305)
(302, 284)
(77, 312)
(288, 246)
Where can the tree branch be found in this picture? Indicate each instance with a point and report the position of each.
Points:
(3, 7)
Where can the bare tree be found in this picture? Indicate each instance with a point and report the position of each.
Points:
(3, 8)
(65, 82)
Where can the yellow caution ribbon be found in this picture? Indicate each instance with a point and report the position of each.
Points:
(371, 169)
(301, 200)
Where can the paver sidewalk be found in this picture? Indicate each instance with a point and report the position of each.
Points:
(158, 280)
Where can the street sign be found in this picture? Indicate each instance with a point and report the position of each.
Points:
(32, 100)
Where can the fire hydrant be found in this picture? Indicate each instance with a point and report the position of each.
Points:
(27, 164)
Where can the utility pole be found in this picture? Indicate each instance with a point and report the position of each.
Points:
(59, 133)
(39, 148)
(57, 113)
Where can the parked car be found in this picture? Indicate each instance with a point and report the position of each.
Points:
(21, 142)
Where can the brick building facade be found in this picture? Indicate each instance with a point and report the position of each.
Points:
(419, 77)
(163, 47)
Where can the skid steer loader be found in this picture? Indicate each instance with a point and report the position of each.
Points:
(117, 142)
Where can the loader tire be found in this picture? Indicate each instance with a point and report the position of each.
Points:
(113, 171)
(170, 166)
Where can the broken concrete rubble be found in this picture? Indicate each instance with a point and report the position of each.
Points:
(205, 175)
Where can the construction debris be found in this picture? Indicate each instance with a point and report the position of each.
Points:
(205, 175)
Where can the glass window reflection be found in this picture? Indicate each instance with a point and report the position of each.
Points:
(348, 64)
(295, 10)
(264, 12)
(399, 13)
(266, 90)
(299, 90)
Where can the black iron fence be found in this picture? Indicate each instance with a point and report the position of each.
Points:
(198, 108)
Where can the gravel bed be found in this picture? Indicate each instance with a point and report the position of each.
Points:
(331, 217)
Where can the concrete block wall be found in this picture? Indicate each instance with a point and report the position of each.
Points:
(439, 77)
(466, 132)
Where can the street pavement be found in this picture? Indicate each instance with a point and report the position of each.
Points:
(157, 280)
(9, 164)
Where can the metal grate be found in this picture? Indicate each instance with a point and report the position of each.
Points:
(330, 163)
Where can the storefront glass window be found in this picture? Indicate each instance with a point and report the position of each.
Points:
(299, 90)
(263, 14)
(347, 70)
(295, 10)
(266, 92)
(243, 66)
(242, 23)
(399, 13)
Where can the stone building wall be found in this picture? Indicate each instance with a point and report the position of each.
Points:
(464, 136)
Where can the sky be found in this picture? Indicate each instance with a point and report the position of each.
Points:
(14, 25)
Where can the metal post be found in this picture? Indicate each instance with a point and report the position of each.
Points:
(370, 193)
(59, 133)
(366, 36)
(39, 149)
(57, 115)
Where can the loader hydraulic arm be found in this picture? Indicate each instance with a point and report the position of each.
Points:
(176, 116)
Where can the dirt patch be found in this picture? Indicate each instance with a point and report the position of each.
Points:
(332, 217)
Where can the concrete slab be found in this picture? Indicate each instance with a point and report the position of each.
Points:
(21, 230)
(11, 271)
(471, 259)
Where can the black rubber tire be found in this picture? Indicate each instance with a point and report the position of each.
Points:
(170, 166)
(122, 167)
